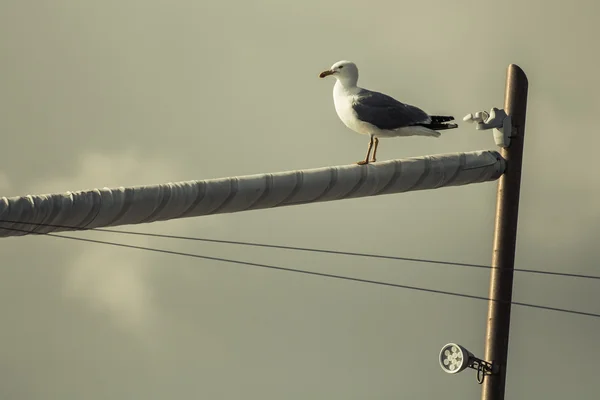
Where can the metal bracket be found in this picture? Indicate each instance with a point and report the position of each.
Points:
(483, 368)
(497, 120)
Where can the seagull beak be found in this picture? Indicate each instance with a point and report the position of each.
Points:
(326, 73)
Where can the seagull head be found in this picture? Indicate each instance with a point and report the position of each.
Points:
(344, 71)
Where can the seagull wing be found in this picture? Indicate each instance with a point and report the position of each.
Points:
(385, 112)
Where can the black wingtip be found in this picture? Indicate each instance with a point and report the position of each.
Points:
(440, 118)
(439, 126)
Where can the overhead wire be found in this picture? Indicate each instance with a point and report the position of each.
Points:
(308, 249)
(313, 273)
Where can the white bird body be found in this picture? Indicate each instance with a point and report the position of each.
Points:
(345, 97)
(376, 114)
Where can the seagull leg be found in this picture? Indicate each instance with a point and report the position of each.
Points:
(366, 160)
(375, 150)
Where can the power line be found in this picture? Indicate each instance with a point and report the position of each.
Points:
(307, 249)
(300, 271)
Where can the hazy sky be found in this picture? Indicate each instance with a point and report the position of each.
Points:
(128, 92)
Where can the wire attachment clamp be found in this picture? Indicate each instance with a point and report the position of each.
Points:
(496, 119)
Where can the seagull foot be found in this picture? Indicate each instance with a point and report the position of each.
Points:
(363, 162)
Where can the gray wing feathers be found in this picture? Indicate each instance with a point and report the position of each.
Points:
(385, 112)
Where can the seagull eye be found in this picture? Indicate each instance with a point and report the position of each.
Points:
(341, 66)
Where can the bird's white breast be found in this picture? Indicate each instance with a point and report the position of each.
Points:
(342, 99)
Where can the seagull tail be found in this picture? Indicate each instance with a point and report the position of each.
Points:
(431, 130)
(423, 130)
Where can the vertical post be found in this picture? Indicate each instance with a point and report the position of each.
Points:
(505, 237)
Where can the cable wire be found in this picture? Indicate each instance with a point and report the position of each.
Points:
(320, 274)
(307, 249)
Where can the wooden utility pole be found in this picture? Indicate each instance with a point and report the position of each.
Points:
(505, 237)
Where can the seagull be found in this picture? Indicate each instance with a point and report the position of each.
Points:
(377, 114)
